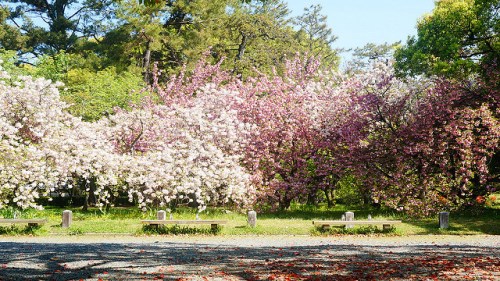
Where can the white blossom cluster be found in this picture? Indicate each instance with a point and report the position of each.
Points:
(30, 113)
(189, 152)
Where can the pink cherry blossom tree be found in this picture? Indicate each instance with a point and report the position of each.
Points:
(422, 147)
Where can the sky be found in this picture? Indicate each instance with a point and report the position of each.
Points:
(358, 22)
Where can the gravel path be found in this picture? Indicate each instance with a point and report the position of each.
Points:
(250, 258)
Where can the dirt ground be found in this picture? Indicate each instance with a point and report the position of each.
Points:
(250, 258)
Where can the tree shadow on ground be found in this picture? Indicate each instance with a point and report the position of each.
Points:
(192, 261)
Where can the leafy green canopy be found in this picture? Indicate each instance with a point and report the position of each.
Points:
(90, 94)
(457, 37)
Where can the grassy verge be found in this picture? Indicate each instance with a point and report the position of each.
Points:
(297, 221)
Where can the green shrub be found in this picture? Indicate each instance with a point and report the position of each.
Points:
(348, 192)
(364, 230)
(179, 230)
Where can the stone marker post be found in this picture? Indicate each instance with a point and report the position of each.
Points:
(349, 216)
(444, 220)
(252, 218)
(67, 218)
(161, 215)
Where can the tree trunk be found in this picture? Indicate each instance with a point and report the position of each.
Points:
(147, 63)
(241, 52)
(312, 199)
(242, 47)
(366, 199)
(86, 202)
(90, 198)
(285, 204)
(330, 197)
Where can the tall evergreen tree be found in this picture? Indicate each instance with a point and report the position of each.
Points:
(56, 25)
(315, 35)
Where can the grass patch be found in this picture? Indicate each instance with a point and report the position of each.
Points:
(14, 230)
(465, 222)
(75, 231)
(297, 221)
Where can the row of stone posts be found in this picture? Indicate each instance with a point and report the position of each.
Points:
(67, 217)
(444, 217)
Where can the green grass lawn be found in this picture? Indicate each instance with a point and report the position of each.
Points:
(297, 221)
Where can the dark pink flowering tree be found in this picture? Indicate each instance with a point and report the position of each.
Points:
(308, 129)
(424, 147)
(291, 151)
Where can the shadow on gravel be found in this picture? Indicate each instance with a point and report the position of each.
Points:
(186, 261)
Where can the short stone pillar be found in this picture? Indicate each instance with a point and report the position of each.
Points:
(161, 215)
(444, 220)
(252, 218)
(67, 218)
(349, 216)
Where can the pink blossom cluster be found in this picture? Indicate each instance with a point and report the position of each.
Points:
(422, 146)
(208, 137)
